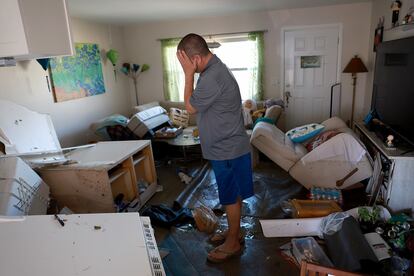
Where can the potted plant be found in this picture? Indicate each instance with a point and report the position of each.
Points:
(368, 218)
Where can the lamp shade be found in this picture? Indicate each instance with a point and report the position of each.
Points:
(355, 66)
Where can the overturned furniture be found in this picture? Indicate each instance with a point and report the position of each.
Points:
(22, 191)
(147, 121)
(341, 157)
(87, 178)
(101, 173)
(142, 125)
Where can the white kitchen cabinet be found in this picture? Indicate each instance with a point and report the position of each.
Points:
(32, 29)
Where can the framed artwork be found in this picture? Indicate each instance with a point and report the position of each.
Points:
(310, 61)
(77, 76)
(378, 37)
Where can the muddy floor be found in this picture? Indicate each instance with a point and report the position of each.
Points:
(188, 247)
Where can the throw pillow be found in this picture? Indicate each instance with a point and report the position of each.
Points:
(305, 132)
(320, 139)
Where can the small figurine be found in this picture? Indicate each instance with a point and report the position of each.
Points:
(389, 142)
(395, 7)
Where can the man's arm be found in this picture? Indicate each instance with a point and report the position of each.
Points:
(189, 69)
(188, 91)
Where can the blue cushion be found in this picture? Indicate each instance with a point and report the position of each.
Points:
(264, 119)
(305, 132)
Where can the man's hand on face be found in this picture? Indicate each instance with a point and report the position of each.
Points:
(189, 66)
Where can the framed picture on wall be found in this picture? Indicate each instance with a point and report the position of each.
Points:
(77, 76)
(378, 37)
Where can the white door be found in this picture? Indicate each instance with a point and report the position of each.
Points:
(310, 69)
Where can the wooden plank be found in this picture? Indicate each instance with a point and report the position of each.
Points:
(139, 160)
(149, 166)
(314, 269)
(131, 185)
(117, 174)
(291, 227)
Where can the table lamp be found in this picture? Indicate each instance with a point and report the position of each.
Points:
(354, 66)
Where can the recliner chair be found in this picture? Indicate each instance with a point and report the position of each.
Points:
(324, 165)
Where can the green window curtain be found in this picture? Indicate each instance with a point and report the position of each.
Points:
(172, 71)
(250, 79)
(257, 72)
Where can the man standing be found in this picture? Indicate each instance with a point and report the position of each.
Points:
(217, 102)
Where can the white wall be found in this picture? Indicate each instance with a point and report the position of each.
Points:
(382, 8)
(25, 84)
(143, 47)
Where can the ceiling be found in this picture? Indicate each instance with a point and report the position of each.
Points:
(139, 11)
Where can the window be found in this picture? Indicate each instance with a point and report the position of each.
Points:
(243, 55)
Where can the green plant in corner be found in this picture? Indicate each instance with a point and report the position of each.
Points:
(369, 216)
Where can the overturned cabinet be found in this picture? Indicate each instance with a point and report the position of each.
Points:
(101, 173)
(22, 191)
(86, 179)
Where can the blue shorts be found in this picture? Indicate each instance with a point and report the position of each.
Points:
(234, 178)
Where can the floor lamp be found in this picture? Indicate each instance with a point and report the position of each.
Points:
(354, 66)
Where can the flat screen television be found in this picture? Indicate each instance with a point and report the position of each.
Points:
(393, 90)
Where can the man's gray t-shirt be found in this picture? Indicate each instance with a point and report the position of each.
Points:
(219, 113)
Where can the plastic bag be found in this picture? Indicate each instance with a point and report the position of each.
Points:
(333, 223)
(347, 246)
(205, 219)
(164, 216)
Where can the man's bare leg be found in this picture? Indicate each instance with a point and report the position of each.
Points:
(232, 243)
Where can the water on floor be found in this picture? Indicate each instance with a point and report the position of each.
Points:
(188, 247)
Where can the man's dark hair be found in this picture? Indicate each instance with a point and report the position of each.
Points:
(193, 44)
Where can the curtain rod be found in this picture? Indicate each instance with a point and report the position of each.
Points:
(206, 35)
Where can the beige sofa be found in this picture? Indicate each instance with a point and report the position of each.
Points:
(324, 165)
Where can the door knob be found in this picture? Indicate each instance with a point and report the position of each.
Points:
(287, 96)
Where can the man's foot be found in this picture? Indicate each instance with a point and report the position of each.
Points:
(220, 236)
(222, 253)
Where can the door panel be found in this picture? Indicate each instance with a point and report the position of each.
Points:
(309, 84)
